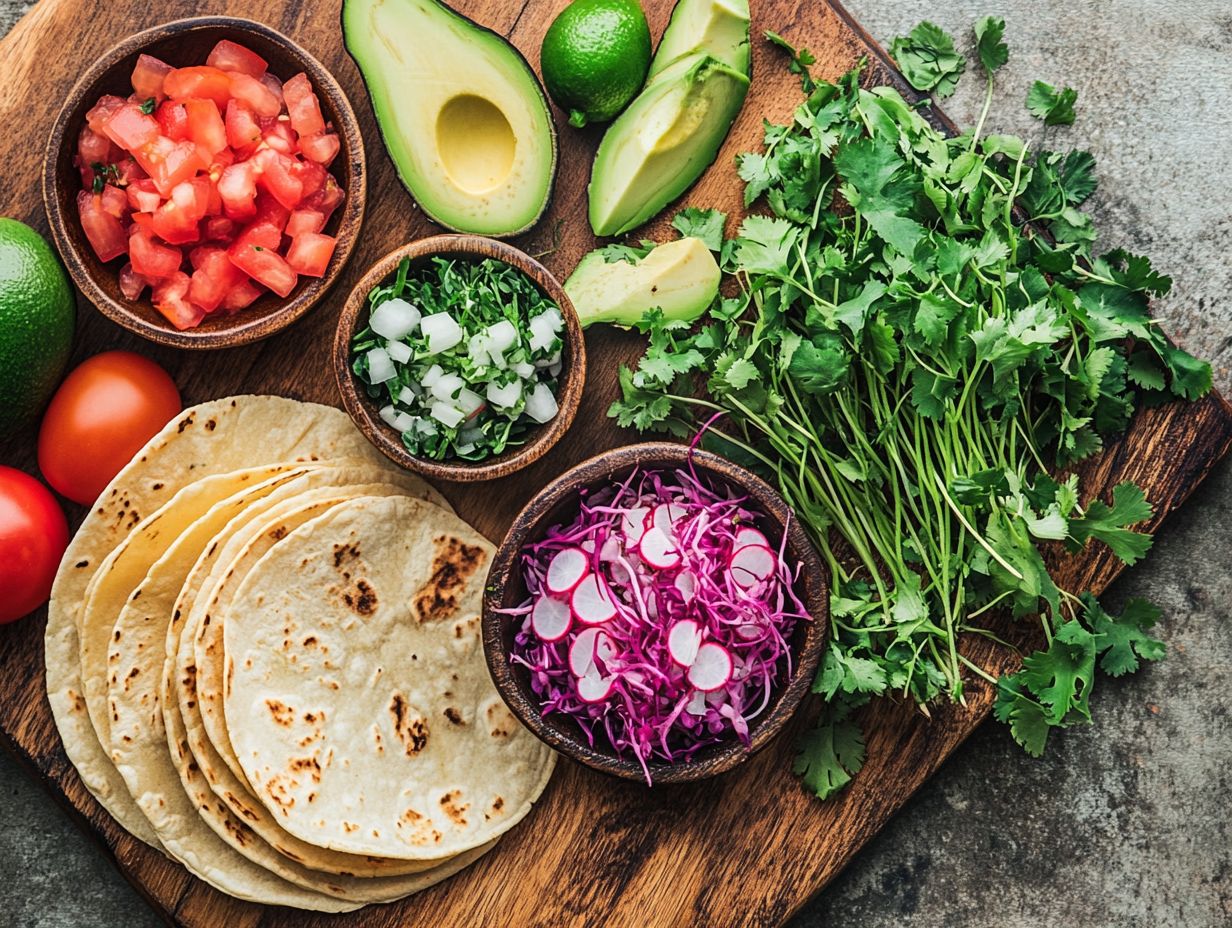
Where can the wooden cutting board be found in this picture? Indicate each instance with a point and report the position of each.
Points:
(748, 848)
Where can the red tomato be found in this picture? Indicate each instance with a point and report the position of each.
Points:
(114, 201)
(213, 277)
(172, 119)
(148, 77)
(310, 252)
(151, 259)
(274, 85)
(278, 176)
(303, 106)
(132, 284)
(130, 128)
(102, 229)
(311, 176)
(322, 148)
(205, 126)
(227, 56)
(176, 220)
(168, 163)
(243, 133)
(305, 220)
(105, 410)
(255, 94)
(327, 199)
(278, 135)
(143, 196)
(93, 148)
(241, 295)
(264, 266)
(98, 115)
(237, 185)
(33, 536)
(201, 82)
(219, 229)
(170, 297)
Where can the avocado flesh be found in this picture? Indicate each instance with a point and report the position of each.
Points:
(462, 114)
(663, 142)
(681, 278)
(716, 27)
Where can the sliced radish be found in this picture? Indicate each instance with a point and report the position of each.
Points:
(696, 704)
(610, 549)
(633, 525)
(658, 550)
(550, 619)
(711, 668)
(589, 644)
(665, 516)
(566, 570)
(591, 602)
(749, 536)
(751, 564)
(686, 583)
(595, 688)
(683, 642)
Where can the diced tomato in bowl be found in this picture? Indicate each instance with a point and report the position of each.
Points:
(209, 184)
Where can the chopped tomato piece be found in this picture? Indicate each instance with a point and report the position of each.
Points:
(114, 201)
(103, 230)
(143, 196)
(219, 229)
(311, 176)
(213, 277)
(278, 135)
(98, 114)
(228, 56)
(252, 92)
(277, 174)
(303, 106)
(205, 126)
(130, 128)
(170, 298)
(243, 294)
(168, 163)
(172, 118)
(243, 133)
(202, 82)
(327, 199)
(132, 283)
(237, 186)
(305, 220)
(128, 170)
(322, 148)
(310, 252)
(93, 148)
(148, 77)
(274, 86)
(263, 265)
(150, 259)
(176, 220)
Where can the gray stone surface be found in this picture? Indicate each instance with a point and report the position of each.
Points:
(1123, 824)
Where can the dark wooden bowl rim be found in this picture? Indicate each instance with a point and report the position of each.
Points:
(505, 588)
(99, 282)
(570, 384)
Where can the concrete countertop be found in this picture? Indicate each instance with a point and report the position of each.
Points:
(1121, 824)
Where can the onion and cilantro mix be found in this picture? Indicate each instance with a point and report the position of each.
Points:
(659, 617)
(463, 357)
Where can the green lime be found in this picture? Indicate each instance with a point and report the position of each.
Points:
(595, 57)
(37, 316)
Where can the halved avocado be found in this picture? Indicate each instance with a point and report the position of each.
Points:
(680, 277)
(717, 27)
(662, 143)
(462, 114)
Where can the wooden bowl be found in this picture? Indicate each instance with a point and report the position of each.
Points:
(557, 503)
(362, 409)
(181, 43)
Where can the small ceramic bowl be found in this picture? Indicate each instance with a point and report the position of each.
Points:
(182, 43)
(557, 503)
(364, 411)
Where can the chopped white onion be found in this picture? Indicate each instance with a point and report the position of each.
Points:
(543, 329)
(432, 376)
(442, 332)
(541, 404)
(502, 335)
(469, 401)
(380, 367)
(524, 369)
(446, 386)
(549, 361)
(398, 420)
(407, 396)
(447, 414)
(399, 351)
(478, 348)
(425, 428)
(505, 397)
(394, 319)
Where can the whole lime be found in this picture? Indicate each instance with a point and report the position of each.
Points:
(37, 317)
(595, 57)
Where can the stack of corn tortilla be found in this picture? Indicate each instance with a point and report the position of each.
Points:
(263, 657)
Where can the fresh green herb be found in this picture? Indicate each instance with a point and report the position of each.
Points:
(704, 224)
(989, 45)
(98, 184)
(148, 106)
(907, 368)
(799, 59)
(103, 175)
(928, 59)
(630, 254)
(462, 355)
(1055, 107)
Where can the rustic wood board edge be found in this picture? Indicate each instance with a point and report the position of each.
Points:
(904, 750)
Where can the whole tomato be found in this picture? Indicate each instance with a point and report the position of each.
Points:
(103, 413)
(33, 536)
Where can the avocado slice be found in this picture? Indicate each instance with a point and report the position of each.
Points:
(681, 278)
(462, 114)
(663, 142)
(716, 27)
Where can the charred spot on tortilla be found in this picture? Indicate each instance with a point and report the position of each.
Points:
(455, 810)
(347, 552)
(278, 532)
(455, 562)
(211, 424)
(283, 714)
(410, 727)
(185, 423)
(454, 716)
(362, 600)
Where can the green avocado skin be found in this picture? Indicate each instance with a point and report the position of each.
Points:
(37, 318)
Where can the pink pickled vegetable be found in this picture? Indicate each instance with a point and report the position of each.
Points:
(658, 617)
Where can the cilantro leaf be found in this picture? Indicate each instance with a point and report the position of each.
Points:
(704, 224)
(1060, 678)
(800, 59)
(1055, 107)
(628, 254)
(820, 364)
(832, 752)
(1122, 640)
(992, 51)
(1109, 524)
(1027, 719)
(928, 59)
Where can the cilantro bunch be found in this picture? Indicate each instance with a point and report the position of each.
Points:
(920, 340)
